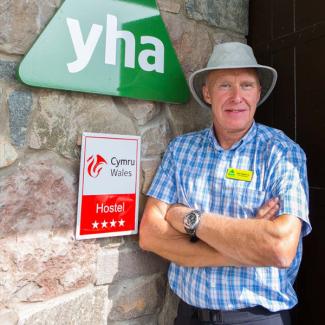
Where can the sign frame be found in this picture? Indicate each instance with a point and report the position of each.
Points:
(111, 137)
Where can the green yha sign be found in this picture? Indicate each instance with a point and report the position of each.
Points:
(112, 47)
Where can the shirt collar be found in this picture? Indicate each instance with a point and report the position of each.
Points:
(245, 139)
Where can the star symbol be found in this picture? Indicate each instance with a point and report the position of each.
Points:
(113, 223)
(95, 224)
(104, 224)
(121, 223)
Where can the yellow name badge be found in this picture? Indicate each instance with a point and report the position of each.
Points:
(239, 174)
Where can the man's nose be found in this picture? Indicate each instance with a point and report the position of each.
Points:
(236, 94)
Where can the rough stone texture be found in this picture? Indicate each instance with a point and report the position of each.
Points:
(226, 14)
(188, 39)
(169, 311)
(8, 154)
(149, 168)
(142, 111)
(7, 69)
(22, 22)
(20, 106)
(222, 37)
(8, 317)
(155, 137)
(60, 118)
(169, 5)
(114, 265)
(137, 297)
(4, 118)
(39, 257)
(86, 306)
(190, 114)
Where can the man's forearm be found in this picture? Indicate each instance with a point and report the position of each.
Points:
(258, 242)
(158, 236)
(248, 240)
(177, 248)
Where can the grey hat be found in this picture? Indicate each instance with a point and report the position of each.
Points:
(231, 56)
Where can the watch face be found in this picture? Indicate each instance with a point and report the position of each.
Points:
(191, 220)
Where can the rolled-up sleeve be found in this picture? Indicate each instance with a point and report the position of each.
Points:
(163, 186)
(290, 184)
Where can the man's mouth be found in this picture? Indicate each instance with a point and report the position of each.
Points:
(235, 110)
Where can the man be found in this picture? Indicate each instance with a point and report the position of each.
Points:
(229, 205)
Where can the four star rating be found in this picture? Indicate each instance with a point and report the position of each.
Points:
(111, 224)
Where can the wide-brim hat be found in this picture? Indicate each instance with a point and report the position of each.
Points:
(232, 55)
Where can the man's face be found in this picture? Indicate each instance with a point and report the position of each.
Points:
(233, 95)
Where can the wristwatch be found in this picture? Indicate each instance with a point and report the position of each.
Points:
(191, 222)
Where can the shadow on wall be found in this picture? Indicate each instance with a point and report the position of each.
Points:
(138, 292)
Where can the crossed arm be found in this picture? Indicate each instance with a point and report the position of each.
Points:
(224, 241)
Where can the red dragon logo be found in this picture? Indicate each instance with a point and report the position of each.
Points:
(95, 165)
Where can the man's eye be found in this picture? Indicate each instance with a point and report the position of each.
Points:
(224, 86)
(247, 86)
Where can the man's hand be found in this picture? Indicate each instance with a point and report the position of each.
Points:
(269, 209)
(264, 240)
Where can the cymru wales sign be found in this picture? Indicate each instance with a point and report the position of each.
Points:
(111, 47)
(108, 185)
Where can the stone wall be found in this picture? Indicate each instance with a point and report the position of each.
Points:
(46, 276)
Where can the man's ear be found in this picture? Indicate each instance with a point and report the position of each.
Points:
(206, 94)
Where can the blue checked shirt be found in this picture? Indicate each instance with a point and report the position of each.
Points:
(193, 173)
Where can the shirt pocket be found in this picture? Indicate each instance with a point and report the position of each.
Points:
(242, 202)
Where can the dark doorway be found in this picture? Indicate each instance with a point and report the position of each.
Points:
(290, 36)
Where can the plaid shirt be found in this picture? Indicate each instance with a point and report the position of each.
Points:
(193, 173)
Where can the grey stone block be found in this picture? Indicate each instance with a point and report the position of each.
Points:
(155, 137)
(135, 298)
(20, 106)
(8, 317)
(114, 265)
(7, 70)
(83, 307)
(8, 154)
(21, 21)
(226, 14)
(61, 117)
(169, 310)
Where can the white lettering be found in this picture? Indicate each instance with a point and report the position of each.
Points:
(112, 34)
(99, 208)
(157, 53)
(110, 208)
(83, 51)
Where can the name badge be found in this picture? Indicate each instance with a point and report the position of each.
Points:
(239, 174)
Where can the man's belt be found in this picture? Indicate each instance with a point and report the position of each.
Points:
(211, 315)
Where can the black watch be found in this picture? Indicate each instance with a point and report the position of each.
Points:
(191, 222)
